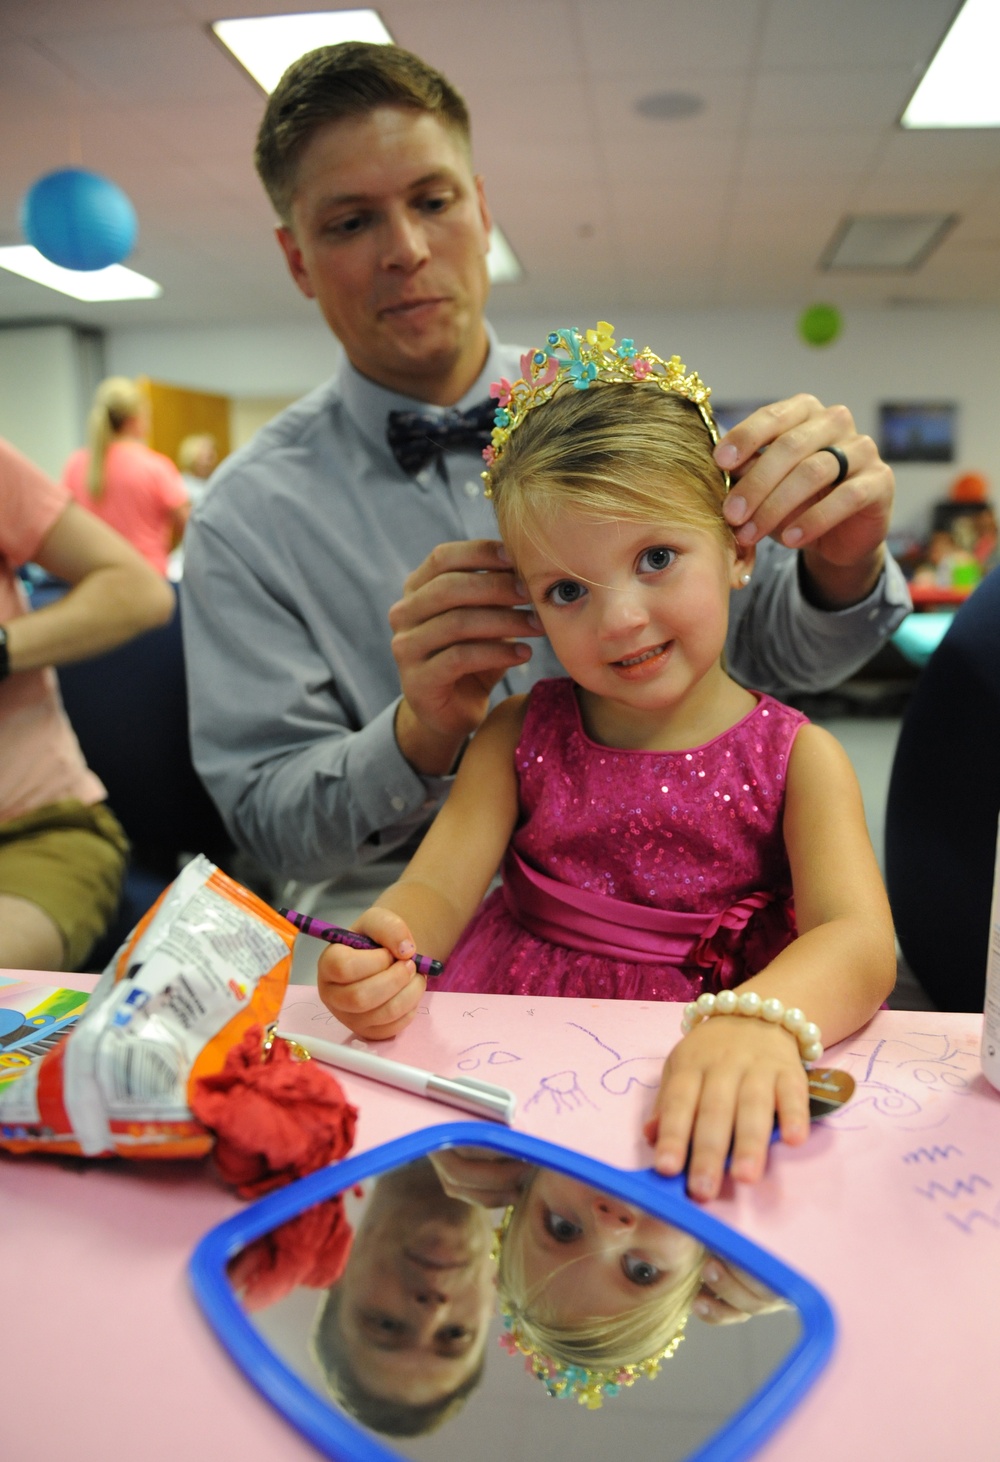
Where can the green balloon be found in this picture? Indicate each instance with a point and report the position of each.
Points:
(820, 324)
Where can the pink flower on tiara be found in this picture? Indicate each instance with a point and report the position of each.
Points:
(534, 358)
(641, 368)
(489, 456)
(501, 390)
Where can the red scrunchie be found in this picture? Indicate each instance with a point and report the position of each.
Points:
(274, 1119)
(310, 1249)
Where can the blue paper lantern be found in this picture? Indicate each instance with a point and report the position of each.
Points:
(79, 220)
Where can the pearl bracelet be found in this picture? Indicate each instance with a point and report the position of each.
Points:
(728, 1002)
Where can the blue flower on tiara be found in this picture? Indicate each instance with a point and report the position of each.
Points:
(627, 350)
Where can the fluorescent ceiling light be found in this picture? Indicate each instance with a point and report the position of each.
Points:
(114, 283)
(886, 241)
(266, 45)
(959, 88)
(502, 263)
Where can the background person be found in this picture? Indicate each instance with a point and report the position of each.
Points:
(325, 739)
(197, 458)
(119, 479)
(62, 853)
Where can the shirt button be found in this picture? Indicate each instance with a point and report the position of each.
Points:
(473, 489)
(397, 803)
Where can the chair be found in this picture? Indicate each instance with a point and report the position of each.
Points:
(130, 714)
(943, 806)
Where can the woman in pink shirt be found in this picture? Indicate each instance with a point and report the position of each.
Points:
(62, 852)
(135, 490)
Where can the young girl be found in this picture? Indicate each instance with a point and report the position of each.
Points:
(657, 823)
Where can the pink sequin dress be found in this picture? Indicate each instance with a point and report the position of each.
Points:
(636, 875)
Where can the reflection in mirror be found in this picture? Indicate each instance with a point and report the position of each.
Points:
(465, 1301)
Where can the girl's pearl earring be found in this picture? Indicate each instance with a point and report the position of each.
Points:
(744, 580)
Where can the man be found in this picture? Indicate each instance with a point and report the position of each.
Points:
(315, 539)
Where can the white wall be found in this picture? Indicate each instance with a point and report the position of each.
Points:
(904, 354)
(45, 389)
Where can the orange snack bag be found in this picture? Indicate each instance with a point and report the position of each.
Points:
(208, 961)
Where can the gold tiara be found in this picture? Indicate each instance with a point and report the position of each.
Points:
(580, 1383)
(585, 359)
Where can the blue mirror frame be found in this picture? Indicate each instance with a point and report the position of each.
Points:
(338, 1437)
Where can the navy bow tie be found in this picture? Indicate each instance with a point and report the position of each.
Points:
(419, 437)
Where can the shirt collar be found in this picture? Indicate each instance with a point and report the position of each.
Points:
(369, 404)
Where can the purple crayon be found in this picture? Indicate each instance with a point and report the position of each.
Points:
(333, 934)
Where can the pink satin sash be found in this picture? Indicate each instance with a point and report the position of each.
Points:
(598, 924)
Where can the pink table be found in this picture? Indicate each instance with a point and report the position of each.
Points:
(893, 1208)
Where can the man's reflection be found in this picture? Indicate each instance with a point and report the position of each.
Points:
(400, 1338)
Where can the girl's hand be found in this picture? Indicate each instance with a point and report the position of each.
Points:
(374, 992)
(721, 1087)
(729, 1295)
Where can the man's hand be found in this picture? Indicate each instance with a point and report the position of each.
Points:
(787, 492)
(455, 634)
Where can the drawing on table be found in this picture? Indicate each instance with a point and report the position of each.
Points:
(933, 1154)
(967, 1221)
(921, 1064)
(964, 1187)
(644, 1071)
(467, 1061)
(562, 1090)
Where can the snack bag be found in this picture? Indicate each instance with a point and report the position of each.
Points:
(205, 964)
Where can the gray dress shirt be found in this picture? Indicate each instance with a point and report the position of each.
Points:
(291, 564)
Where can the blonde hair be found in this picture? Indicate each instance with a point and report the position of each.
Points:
(116, 401)
(613, 451)
(599, 1342)
(191, 449)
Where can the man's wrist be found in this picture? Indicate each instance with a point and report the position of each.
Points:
(831, 586)
(430, 753)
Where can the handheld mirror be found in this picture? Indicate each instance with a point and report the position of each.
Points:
(474, 1292)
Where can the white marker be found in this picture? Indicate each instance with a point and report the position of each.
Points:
(479, 1097)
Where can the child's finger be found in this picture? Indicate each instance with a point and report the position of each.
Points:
(340, 965)
(713, 1133)
(671, 1126)
(754, 1126)
(364, 984)
(387, 929)
(389, 1018)
(793, 1106)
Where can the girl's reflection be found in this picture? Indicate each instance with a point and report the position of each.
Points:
(592, 1280)
(595, 1291)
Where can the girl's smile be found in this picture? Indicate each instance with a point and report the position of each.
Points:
(646, 662)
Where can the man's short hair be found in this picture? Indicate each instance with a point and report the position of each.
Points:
(327, 85)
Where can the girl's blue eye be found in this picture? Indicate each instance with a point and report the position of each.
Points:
(639, 1271)
(567, 591)
(563, 1230)
(654, 560)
